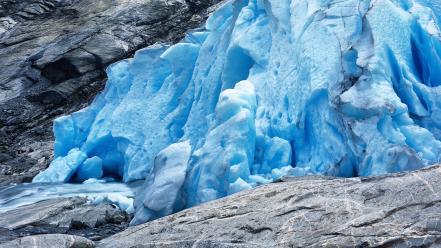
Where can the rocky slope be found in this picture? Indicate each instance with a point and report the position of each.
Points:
(54, 53)
(400, 210)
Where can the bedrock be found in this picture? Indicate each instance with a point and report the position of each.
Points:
(398, 210)
(264, 89)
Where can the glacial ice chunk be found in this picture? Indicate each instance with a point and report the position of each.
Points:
(228, 151)
(123, 202)
(162, 193)
(62, 168)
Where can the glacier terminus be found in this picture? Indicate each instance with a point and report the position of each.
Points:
(266, 88)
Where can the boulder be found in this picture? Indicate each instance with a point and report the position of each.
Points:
(63, 216)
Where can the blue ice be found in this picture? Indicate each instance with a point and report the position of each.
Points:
(265, 89)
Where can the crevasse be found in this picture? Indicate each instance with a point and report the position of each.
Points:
(266, 88)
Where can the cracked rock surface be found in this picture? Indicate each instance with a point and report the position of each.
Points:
(54, 53)
(400, 210)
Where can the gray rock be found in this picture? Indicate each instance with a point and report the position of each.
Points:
(54, 53)
(400, 210)
(89, 216)
(43, 212)
(7, 235)
(50, 240)
(62, 216)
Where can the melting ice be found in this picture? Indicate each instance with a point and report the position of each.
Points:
(266, 88)
(95, 191)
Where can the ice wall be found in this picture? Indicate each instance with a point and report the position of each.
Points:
(434, 5)
(266, 88)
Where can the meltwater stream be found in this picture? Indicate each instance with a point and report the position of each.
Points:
(120, 194)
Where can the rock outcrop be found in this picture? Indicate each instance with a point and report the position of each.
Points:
(400, 210)
(62, 216)
(53, 56)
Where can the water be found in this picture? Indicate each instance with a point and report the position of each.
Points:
(120, 194)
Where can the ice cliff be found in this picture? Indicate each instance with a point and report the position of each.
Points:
(266, 88)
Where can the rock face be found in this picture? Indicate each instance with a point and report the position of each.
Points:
(54, 53)
(401, 210)
(40, 212)
(62, 216)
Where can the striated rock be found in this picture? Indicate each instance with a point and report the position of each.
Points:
(54, 53)
(399, 210)
(50, 240)
(38, 213)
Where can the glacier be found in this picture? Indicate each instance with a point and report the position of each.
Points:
(265, 89)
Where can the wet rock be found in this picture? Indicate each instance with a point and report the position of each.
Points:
(38, 213)
(90, 216)
(399, 210)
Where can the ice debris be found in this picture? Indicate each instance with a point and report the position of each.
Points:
(264, 89)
